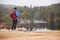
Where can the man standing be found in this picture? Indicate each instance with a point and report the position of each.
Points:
(14, 16)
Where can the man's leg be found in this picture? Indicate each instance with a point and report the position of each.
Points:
(15, 24)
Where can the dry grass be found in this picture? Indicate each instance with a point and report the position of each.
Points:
(20, 35)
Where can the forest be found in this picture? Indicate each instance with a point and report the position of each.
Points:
(50, 13)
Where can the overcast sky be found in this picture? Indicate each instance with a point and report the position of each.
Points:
(30, 2)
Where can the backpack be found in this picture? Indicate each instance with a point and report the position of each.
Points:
(13, 14)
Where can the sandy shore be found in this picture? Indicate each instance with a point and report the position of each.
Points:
(21, 35)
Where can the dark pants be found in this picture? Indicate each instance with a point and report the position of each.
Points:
(14, 24)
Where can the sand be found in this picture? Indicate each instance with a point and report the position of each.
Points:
(29, 35)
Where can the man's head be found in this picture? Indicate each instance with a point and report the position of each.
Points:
(15, 7)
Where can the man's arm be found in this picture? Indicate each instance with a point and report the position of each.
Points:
(16, 13)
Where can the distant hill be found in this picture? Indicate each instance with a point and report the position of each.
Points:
(4, 8)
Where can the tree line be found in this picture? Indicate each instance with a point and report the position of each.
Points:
(49, 13)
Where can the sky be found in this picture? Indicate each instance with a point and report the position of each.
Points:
(29, 2)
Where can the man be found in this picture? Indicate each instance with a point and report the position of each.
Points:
(14, 16)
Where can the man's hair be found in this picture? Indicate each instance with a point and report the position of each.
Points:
(15, 8)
